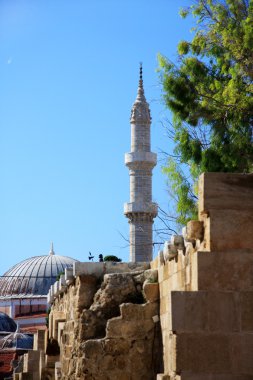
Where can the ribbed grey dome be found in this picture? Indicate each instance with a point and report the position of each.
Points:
(34, 276)
(6, 323)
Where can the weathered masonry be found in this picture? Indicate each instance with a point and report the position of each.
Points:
(187, 315)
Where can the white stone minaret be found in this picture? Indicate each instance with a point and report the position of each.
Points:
(140, 210)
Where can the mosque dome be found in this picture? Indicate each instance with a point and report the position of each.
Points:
(7, 324)
(33, 276)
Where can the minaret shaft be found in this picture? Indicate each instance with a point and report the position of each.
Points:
(140, 210)
(140, 138)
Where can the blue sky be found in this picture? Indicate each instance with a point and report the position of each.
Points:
(68, 79)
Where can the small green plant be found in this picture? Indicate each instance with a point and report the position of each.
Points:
(59, 275)
(112, 258)
(151, 280)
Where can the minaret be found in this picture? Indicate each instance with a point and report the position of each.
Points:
(140, 210)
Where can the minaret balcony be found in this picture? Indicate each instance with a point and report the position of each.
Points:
(141, 207)
(147, 158)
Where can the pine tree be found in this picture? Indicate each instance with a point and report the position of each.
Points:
(210, 95)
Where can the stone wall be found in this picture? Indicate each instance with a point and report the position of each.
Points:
(206, 292)
(107, 325)
(189, 317)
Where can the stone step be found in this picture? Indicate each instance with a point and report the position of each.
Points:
(210, 311)
(214, 353)
(231, 270)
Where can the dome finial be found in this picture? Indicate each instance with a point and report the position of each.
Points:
(52, 249)
(140, 80)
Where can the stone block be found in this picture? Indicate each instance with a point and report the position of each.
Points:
(86, 288)
(246, 303)
(241, 348)
(56, 291)
(213, 353)
(231, 191)
(205, 311)
(131, 312)
(89, 268)
(118, 328)
(231, 270)
(225, 206)
(198, 353)
(39, 340)
(195, 230)
(99, 269)
(69, 276)
(31, 361)
(161, 376)
(151, 291)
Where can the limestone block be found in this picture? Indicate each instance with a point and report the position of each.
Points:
(86, 289)
(230, 270)
(56, 289)
(161, 376)
(241, 348)
(214, 353)
(69, 276)
(246, 303)
(151, 291)
(197, 353)
(225, 206)
(231, 191)
(195, 230)
(169, 251)
(178, 241)
(31, 361)
(99, 269)
(89, 268)
(130, 311)
(118, 328)
(205, 311)
(39, 339)
(49, 297)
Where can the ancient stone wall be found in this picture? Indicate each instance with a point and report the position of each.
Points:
(206, 292)
(106, 318)
(107, 325)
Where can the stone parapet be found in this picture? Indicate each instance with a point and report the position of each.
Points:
(96, 270)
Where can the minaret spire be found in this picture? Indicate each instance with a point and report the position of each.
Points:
(140, 210)
(52, 249)
(140, 80)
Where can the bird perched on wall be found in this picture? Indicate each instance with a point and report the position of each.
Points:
(90, 257)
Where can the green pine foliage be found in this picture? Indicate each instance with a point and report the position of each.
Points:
(210, 95)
